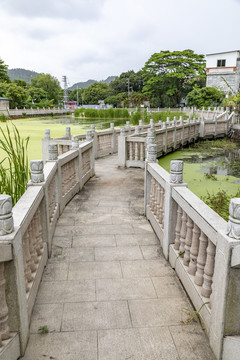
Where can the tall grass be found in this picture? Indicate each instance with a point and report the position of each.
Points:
(14, 167)
(102, 113)
(156, 116)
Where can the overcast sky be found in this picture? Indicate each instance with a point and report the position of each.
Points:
(93, 39)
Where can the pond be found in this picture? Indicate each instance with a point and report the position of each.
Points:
(208, 172)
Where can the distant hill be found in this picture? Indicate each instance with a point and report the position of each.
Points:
(85, 84)
(22, 74)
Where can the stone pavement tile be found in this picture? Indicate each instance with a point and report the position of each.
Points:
(94, 270)
(123, 218)
(114, 203)
(137, 344)
(93, 240)
(75, 204)
(142, 228)
(136, 239)
(146, 268)
(51, 292)
(66, 220)
(55, 271)
(127, 211)
(89, 218)
(63, 231)
(95, 315)
(62, 241)
(118, 253)
(168, 286)
(152, 252)
(101, 229)
(191, 342)
(124, 289)
(79, 254)
(62, 346)
(157, 312)
(49, 315)
(138, 202)
(94, 210)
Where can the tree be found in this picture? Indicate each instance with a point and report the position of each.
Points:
(50, 85)
(167, 75)
(96, 92)
(15, 93)
(127, 81)
(3, 72)
(205, 97)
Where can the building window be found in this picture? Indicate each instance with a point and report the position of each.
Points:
(221, 63)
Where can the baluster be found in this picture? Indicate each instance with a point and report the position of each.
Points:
(27, 261)
(188, 242)
(183, 232)
(4, 329)
(130, 150)
(161, 211)
(194, 250)
(178, 228)
(158, 201)
(201, 259)
(157, 190)
(31, 250)
(142, 151)
(33, 240)
(136, 151)
(208, 270)
(152, 193)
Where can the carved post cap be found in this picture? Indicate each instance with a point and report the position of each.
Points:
(122, 131)
(176, 173)
(137, 130)
(47, 133)
(75, 142)
(112, 126)
(6, 219)
(52, 152)
(151, 152)
(68, 131)
(89, 135)
(151, 122)
(37, 175)
(233, 228)
(140, 122)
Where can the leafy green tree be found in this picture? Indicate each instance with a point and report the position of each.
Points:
(3, 72)
(50, 85)
(127, 81)
(205, 97)
(96, 92)
(21, 83)
(15, 93)
(168, 75)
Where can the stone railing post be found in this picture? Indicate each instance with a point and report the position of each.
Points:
(233, 229)
(68, 132)
(89, 135)
(122, 148)
(128, 128)
(95, 140)
(140, 124)
(13, 302)
(37, 175)
(75, 143)
(137, 130)
(170, 206)
(45, 143)
(52, 152)
(151, 156)
(113, 138)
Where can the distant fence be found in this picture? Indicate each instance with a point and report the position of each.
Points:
(33, 112)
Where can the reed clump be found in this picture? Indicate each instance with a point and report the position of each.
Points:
(14, 167)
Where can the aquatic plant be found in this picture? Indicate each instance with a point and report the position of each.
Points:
(14, 168)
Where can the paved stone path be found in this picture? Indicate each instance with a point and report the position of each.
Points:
(107, 292)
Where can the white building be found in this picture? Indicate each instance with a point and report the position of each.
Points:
(223, 70)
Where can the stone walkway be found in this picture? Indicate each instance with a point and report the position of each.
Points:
(107, 292)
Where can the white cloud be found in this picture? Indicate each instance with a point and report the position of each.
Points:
(97, 38)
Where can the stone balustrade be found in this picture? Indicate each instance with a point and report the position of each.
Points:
(201, 247)
(26, 233)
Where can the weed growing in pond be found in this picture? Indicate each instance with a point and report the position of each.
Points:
(210, 176)
(14, 168)
(219, 202)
